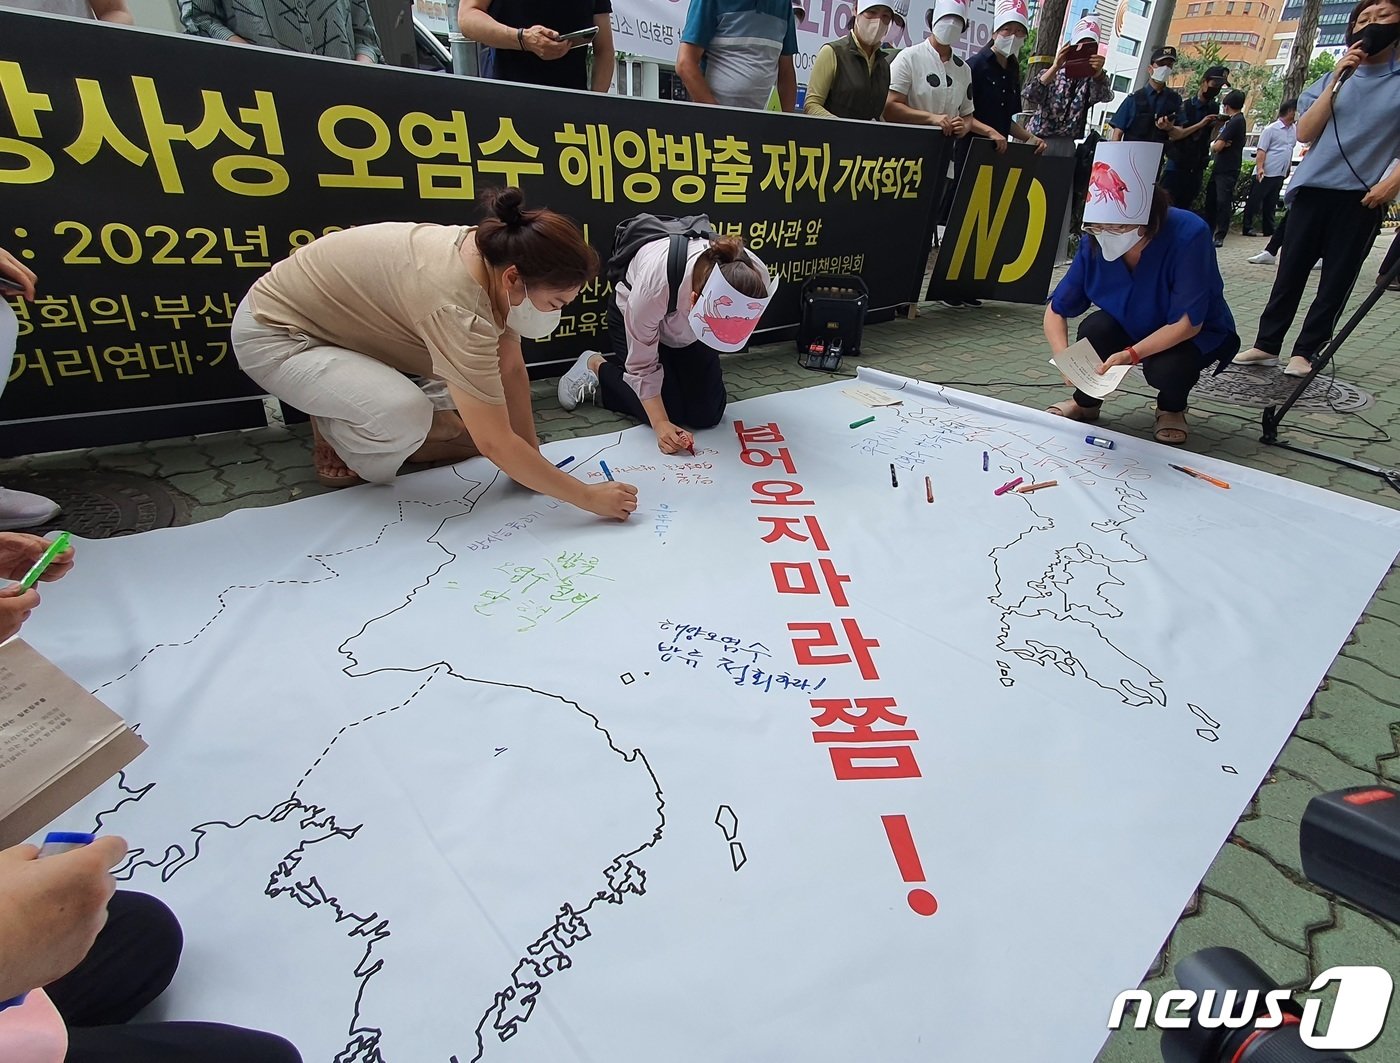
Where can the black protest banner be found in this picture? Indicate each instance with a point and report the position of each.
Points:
(1005, 222)
(149, 179)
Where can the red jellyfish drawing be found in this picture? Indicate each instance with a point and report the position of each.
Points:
(728, 328)
(1105, 184)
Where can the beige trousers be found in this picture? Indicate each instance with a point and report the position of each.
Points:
(373, 415)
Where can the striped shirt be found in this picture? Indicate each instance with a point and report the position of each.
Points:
(743, 40)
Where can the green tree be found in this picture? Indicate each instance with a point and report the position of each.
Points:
(1261, 85)
(1186, 74)
(1322, 63)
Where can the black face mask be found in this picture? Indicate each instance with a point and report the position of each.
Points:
(1376, 37)
(1212, 92)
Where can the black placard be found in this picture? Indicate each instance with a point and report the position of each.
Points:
(1004, 226)
(149, 179)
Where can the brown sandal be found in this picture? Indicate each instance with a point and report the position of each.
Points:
(331, 470)
(1075, 412)
(1173, 433)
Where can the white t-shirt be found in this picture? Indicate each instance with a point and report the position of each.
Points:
(71, 8)
(929, 84)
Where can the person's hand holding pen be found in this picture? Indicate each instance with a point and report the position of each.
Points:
(18, 553)
(53, 910)
(614, 500)
(671, 438)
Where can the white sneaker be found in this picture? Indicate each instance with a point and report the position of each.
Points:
(1263, 258)
(20, 509)
(1253, 356)
(579, 384)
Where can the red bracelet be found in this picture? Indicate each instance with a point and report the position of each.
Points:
(1133, 354)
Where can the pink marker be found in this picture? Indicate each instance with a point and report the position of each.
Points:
(1007, 487)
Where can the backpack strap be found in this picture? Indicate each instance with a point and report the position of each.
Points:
(675, 268)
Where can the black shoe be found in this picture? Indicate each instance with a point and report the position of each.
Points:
(1220, 241)
(953, 304)
(972, 304)
(1250, 232)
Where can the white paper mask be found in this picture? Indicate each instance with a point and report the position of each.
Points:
(724, 317)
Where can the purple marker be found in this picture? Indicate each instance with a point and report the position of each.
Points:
(1008, 486)
(984, 461)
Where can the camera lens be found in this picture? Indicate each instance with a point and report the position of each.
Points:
(1230, 987)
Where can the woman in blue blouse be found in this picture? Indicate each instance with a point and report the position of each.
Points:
(1157, 287)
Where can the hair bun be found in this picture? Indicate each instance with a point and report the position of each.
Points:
(508, 204)
(724, 249)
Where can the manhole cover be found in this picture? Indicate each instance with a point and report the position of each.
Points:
(1265, 385)
(100, 504)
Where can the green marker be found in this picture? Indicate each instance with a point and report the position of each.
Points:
(55, 548)
(857, 424)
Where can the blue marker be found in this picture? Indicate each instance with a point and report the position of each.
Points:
(561, 464)
(1099, 441)
(606, 471)
(55, 842)
(62, 841)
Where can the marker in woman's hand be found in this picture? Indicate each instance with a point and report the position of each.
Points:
(46, 559)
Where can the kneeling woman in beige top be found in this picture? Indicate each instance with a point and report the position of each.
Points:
(342, 328)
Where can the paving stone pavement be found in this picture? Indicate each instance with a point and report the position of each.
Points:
(1255, 897)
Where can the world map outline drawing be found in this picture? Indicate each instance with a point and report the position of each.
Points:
(498, 781)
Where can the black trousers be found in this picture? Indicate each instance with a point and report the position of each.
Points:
(130, 964)
(1323, 223)
(1220, 199)
(1183, 186)
(1172, 372)
(1275, 244)
(692, 387)
(1263, 199)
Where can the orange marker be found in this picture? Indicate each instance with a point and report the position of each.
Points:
(1036, 487)
(1201, 476)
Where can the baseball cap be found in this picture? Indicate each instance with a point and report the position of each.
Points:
(1163, 54)
(898, 8)
(1217, 73)
(1086, 29)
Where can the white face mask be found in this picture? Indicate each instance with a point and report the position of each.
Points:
(871, 32)
(948, 30)
(1114, 246)
(1160, 74)
(1008, 46)
(532, 322)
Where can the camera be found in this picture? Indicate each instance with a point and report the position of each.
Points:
(1350, 842)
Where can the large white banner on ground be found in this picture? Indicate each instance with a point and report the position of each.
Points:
(829, 747)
